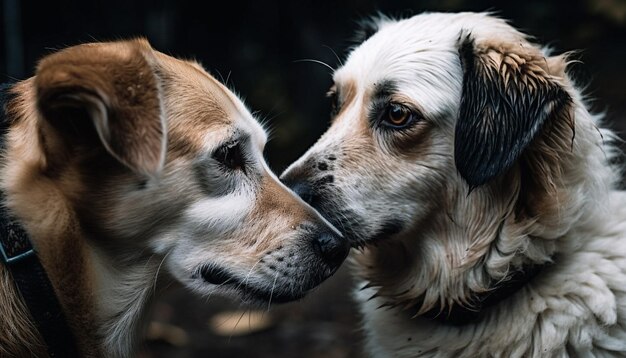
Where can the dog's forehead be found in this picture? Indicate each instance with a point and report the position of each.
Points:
(201, 109)
(419, 56)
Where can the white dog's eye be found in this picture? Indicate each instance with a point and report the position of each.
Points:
(397, 116)
(334, 101)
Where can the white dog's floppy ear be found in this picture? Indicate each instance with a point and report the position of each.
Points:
(111, 87)
(508, 95)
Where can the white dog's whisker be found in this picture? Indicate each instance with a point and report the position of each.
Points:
(315, 61)
(335, 54)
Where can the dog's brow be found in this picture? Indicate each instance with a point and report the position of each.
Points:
(384, 89)
(383, 92)
(237, 137)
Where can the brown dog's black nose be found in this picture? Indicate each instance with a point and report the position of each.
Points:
(331, 248)
(329, 245)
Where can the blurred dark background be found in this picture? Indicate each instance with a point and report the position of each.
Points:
(256, 46)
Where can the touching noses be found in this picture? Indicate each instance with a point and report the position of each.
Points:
(297, 180)
(328, 244)
(331, 247)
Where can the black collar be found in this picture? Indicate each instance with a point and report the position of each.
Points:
(20, 259)
(458, 315)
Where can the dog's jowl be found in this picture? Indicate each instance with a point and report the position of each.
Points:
(129, 169)
(464, 163)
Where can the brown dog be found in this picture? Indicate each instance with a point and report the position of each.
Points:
(125, 167)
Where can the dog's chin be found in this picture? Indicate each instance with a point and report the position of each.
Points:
(360, 235)
(352, 226)
(229, 284)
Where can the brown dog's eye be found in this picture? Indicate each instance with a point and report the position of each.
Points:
(397, 116)
(230, 156)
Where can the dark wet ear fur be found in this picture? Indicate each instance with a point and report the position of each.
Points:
(102, 95)
(367, 27)
(507, 98)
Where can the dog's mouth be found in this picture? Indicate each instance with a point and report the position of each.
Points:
(216, 276)
(354, 227)
(356, 230)
(360, 238)
(221, 277)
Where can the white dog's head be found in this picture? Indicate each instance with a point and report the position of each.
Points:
(452, 135)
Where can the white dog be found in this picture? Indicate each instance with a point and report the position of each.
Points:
(464, 162)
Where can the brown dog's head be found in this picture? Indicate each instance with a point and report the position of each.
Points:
(451, 142)
(150, 156)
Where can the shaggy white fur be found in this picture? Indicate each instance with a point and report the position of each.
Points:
(438, 236)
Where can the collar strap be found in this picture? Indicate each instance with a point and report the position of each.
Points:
(458, 315)
(20, 259)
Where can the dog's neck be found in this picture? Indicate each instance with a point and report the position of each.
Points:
(104, 302)
(125, 293)
(52, 231)
(458, 315)
(474, 261)
(447, 255)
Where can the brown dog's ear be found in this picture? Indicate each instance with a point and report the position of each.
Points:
(113, 88)
(507, 97)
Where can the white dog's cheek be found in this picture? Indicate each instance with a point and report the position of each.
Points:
(390, 197)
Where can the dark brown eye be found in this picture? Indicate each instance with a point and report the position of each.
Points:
(397, 115)
(230, 156)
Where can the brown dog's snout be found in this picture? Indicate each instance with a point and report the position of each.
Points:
(330, 245)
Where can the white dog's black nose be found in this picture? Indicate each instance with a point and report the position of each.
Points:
(297, 180)
(332, 248)
(304, 190)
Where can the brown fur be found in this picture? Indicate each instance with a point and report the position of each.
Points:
(45, 174)
(16, 326)
(100, 169)
(121, 79)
